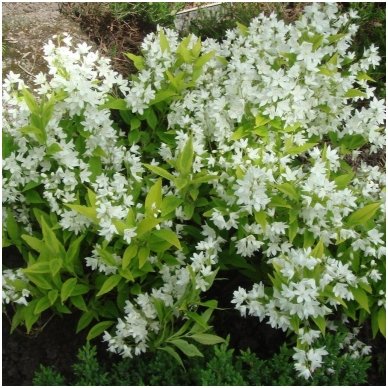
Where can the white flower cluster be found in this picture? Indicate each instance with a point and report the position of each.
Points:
(80, 81)
(271, 116)
(15, 287)
(283, 89)
(141, 317)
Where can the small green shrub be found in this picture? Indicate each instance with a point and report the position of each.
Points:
(215, 23)
(48, 376)
(222, 366)
(149, 13)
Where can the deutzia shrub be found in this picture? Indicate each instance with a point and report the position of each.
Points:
(126, 197)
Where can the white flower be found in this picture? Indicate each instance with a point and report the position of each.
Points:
(129, 234)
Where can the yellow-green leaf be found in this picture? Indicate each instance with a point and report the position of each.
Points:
(160, 171)
(143, 254)
(98, 329)
(381, 319)
(352, 93)
(318, 251)
(67, 288)
(169, 236)
(288, 189)
(361, 297)
(129, 254)
(154, 197)
(207, 339)
(109, 284)
(88, 212)
(42, 304)
(361, 216)
(55, 266)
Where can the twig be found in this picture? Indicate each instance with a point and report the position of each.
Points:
(25, 70)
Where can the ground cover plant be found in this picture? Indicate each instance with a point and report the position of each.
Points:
(127, 199)
(220, 366)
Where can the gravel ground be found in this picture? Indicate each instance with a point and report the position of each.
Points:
(26, 28)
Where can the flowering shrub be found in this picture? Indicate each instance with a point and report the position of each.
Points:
(126, 198)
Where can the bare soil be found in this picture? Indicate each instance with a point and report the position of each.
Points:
(26, 28)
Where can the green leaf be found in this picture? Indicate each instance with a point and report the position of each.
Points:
(164, 45)
(243, 29)
(73, 251)
(55, 266)
(50, 239)
(42, 304)
(53, 149)
(160, 171)
(335, 38)
(163, 95)
(289, 190)
(293, 230)
(107, 257)
(361, 297)
(277, 201)
(42, 267)
(364, 77)
(169, 236)
(238, 133)
(147, 224)
(109, 284)
(169, 204)
(114, 103)
(188, 349)
(84, 321)
(34, 132)
(129, 253)
(183, 51)
(95, 167)
(138, 61)
(318, 251)
(185, 159)
(80, 289)
(381, 319)
(343, 181)
(67, 288)
(197, 47)
(13, 228)
(203, 179)
(88, 212)
(30, 101)
(143, 255)
(207, 339)
(203, 59)
(33, 197)
(154, 197)
(188, 209)
(79, 302)
(30, 185)
(151, 118)
(321, 323)
(361, 216)
(295, 150)
(29, 317)
(40, 280)
(92, 197)
(52, 296)
(34, 243)
(174, 354)
(197, 319)
(98, 329)
(352, 93)
(126, 274)
(261, 120)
